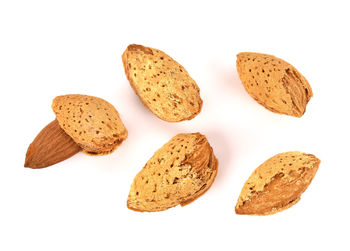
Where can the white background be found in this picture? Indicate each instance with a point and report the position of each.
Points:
(50, 48)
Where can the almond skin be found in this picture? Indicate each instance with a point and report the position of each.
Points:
(274, 83)
(178, 173)
(277, 184)
(51, 145)
(162, 84)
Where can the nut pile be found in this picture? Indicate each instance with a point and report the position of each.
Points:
(185, 167)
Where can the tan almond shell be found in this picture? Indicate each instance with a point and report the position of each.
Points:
(162, 84)
(178, 173)
(277, 184)
(93, 123)
(274, 83)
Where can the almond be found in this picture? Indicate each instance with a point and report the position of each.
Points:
(83, 123)
(52, 145)
(162, 84)
(277, 184)
(93, 123)
(178, 173)
(274, 83)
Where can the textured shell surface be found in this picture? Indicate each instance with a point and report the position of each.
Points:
(277, 184)
(162, 84)
(274, 83)
(92, 122)
(178, 173)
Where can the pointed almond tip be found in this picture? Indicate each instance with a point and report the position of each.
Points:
(133, 208)
(28, 160)
(127, 205)
(297, 115)
(237, 210)
(29, 164)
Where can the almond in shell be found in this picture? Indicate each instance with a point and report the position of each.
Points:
(93, 123)
(274, 83)
(177, 174)
(277, 184)
(163, 85)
